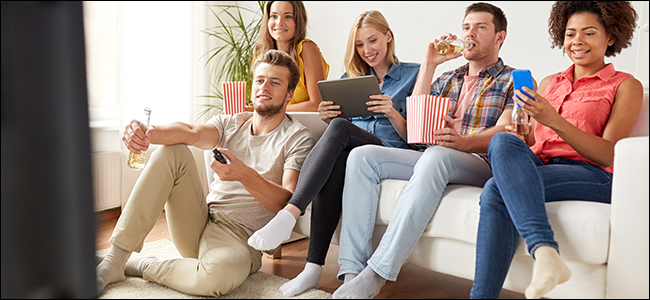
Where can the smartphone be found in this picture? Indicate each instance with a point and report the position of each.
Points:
(522, 78)
(219, 156)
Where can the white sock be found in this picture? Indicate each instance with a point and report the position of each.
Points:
(274, 233)
(348, 276)
(99, 259)
(308, 278)
(548, 271)
(135, 266)
(111, 269)
(366, 285)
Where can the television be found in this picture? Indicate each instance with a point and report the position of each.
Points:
(48, 221)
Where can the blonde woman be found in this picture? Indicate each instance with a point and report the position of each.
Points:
(284, 27)
(370, 51)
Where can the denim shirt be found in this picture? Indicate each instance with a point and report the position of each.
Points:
(398, 84)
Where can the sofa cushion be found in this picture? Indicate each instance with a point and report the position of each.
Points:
(581, 228)
(456, 217)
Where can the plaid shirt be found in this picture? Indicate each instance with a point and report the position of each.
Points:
(493, 95)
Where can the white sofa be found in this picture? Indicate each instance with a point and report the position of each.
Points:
(605, 246)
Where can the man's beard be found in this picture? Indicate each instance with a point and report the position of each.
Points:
(269, 111)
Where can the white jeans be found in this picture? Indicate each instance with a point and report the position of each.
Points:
(216, 256)
(428, 173)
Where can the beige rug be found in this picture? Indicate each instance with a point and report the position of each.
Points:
(259, 285)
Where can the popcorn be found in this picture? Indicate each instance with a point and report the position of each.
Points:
(425, 115)
(234, 97)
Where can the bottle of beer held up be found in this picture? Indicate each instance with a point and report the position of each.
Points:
(137, 161)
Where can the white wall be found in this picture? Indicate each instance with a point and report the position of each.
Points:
(157, 61)
(161, 45)
(141, 54)
(415, 23)
(151, 65)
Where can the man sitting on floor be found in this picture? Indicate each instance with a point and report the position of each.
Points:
(265, 150)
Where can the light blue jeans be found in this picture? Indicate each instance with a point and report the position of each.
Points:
(513, 204)
(428, 173)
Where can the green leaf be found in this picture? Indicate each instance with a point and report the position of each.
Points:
(233, 59)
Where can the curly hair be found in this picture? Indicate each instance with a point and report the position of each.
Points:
(618, 17)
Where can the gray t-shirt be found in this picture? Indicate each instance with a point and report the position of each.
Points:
(286, 147)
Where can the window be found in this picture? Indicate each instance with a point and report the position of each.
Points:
(138, 54)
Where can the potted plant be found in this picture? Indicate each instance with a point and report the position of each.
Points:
(232, 59)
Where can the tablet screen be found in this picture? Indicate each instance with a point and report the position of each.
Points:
(351, 94)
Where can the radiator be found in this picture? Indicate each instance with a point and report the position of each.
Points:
(107, 181)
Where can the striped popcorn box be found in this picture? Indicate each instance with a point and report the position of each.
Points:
(425, 115)
(234, 97)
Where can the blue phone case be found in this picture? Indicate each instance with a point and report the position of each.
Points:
(522, 78)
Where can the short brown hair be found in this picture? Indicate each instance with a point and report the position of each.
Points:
(282, 59)
(498, 17)
(618, 17)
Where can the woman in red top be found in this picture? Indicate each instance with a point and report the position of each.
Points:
(577, 117)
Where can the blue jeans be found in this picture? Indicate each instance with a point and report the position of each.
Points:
(428, 173)
(321, 182)
(513, 204)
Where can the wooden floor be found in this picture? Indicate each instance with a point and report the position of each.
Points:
(413, 282)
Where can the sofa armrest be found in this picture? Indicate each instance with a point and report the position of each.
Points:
(627, 270)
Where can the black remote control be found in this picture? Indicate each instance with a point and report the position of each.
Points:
(219, 156)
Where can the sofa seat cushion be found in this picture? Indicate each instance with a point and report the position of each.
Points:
(581, 228)
(456, 217)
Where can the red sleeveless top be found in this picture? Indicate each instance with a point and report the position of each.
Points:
(586, 104)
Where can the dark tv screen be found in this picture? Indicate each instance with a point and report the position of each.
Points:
(48, 223)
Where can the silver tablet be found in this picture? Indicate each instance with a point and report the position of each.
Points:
(351, 94)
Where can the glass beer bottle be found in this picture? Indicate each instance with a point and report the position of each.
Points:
(519, 121)
(137, 161)
(445, 47)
